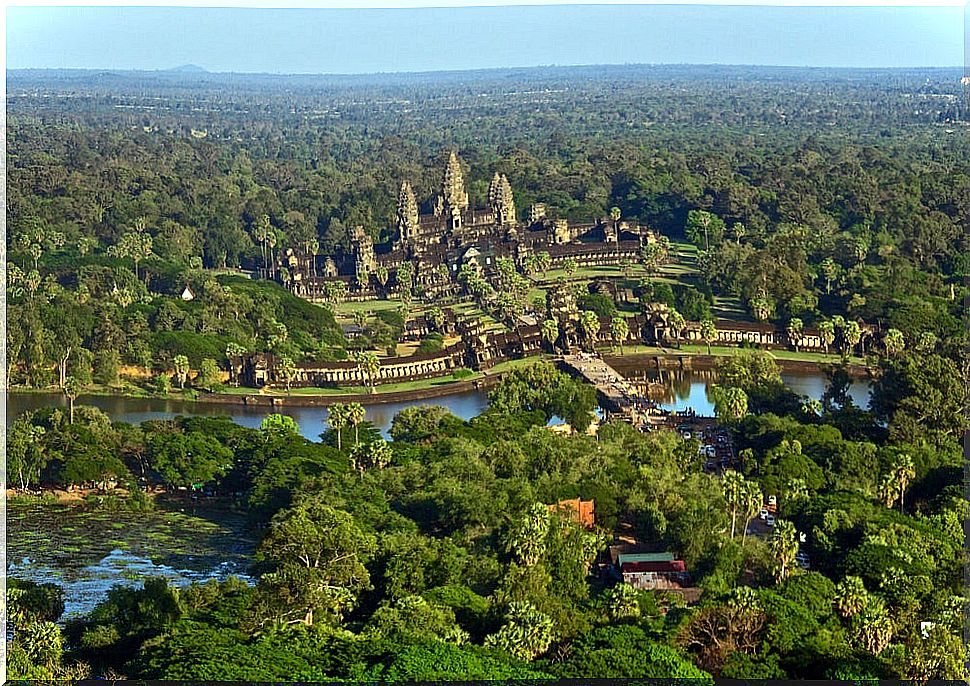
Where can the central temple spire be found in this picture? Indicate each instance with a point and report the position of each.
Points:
(453, 189)
(407, 213)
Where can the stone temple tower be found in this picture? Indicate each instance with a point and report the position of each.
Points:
(500, 200)
(453, 192)
(407, 216)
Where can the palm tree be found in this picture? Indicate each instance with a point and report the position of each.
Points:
(826, 331)
(903, 474)
(382, 276)
(738, 229)
(36, 250)
(888, 489)
(794, 331)
(619, 330)
(752, 500)
(356, 413)
(708, 333)
(850, 596)
(436, 316)
(287, 370)
(72, 389)
(874, 626)
(813, 407)
(894, 341)
(761, 307)
(796, 489)
(569, 266)
(926, 342)
(181, 363)
(368, 365)
(337, 419)
(261, 234)
(615, 214)
(784, 546)
(829, 272)
(852, 334)
(543, 262)
(314, 250)
(550, 332)
(676, 322)
(271, 239)
(590, 323)
(734, 487)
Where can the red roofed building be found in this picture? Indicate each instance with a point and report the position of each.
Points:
(655, 574)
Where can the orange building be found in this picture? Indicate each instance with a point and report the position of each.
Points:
(579, 511)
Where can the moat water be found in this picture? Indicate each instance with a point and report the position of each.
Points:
(682, 390)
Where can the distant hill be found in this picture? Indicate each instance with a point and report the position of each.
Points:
(189, 69)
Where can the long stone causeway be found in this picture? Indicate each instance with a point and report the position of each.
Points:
(616, 394)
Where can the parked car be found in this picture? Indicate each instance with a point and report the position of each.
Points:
(763, 514)
(770, 520)
(687, 435)
(772, 500)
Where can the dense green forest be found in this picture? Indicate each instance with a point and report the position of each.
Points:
(433, 556)
(822, 193)
(820, 197)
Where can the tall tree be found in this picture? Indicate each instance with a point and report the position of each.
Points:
(337, 419)
(356, 413)
(72, 389)
(619, 331)
(708, 333)
(318, 555)
(181, 363)
(784, 546)
(590, 323)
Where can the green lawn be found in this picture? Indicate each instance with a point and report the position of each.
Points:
(349, 308)
(728, 351)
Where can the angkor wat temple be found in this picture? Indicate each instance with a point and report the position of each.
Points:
(455, 234)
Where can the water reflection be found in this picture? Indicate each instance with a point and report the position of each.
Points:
(679, 390)
(673, 389)
(312, 420)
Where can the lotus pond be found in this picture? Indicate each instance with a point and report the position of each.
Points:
(88, 550)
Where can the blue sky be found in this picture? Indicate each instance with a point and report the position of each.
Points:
(386, 40)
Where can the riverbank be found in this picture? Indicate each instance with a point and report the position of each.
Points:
(634, 358)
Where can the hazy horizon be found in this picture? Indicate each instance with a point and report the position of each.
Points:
(374, 41)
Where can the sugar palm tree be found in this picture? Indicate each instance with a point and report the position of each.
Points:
(569, 266)
(903, 473)
(676, 322)
(730, 404)
(784, 546)
(874, 626)
(590, 323)
(619, 331)
(850, 596)
(287, 370)
(751, 500)
(436, 316)
(356, 413)
(734, 486)
(794, 331)
(550, 332)
(337, 419)
(894, 341)
(708, 333)
(368, 365)
(72, 389)
(826, 331)
(181, 363)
